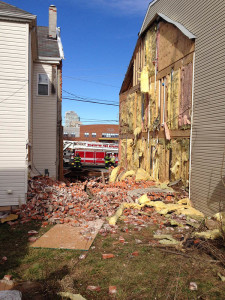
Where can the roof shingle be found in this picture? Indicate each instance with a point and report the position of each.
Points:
(11, 11)
(46, 47)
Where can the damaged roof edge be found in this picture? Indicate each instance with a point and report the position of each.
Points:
(178, 25)
(183, 29)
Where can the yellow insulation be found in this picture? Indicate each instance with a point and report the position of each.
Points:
(127, 174)
(114, 174)
(136, 153)
(144, 80)
(159, 206)
(150, 49)
(173, 99)
(142, 175)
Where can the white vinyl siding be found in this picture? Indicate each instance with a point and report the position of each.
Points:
(14, 43)
(44, 125)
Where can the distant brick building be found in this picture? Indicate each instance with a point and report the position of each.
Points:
(108, 133)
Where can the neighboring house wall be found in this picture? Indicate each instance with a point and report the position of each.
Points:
(162, 64)
(14, 41)
(44, 124)
(205, 19)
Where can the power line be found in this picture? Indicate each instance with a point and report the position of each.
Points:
(89, 98)
(14, 92)
(94, 82)
(88, 101)
(99, 75)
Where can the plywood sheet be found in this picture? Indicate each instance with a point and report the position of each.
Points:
(173, 45)
(65, 236)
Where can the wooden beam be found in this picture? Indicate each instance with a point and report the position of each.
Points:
(174, 134)
(5, 208)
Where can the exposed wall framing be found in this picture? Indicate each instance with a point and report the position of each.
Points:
(156, 97)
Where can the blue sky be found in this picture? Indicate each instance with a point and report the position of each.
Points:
(98, 37)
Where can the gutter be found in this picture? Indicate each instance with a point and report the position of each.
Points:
(31, 21)
(50, 60)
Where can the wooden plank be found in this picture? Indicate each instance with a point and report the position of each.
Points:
(160, 134)
(173, 45)
(5, 208)
(175, 66)
(65, 236)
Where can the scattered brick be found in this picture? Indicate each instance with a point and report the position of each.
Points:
(32, 239)
(112, 290)
(106, 256)
(32, 232)
(93, 288)
(7, 277)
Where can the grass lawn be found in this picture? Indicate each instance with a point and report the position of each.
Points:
(153, 274)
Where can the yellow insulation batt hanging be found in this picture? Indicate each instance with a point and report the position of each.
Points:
(114, 174)
(150, 49)
(173, 99)
(137, 132)
(144, 80)
(129, 153)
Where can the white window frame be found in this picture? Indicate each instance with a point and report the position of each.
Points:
(86, 134)
(38, 84)
(94, 134)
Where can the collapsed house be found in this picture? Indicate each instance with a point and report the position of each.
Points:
(30, 104)
(171, 110)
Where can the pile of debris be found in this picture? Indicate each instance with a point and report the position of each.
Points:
(57, 202)
(137, 203)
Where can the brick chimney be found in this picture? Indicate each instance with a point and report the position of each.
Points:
(52, 21)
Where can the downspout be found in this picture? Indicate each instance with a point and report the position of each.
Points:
(192, 112)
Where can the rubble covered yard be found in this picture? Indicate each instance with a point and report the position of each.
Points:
(151, 238)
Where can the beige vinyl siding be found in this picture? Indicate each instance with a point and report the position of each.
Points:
(206, 20)
(44, 124)
(14, 39)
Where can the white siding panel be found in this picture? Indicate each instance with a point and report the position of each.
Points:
(13, 112)
(44, 125)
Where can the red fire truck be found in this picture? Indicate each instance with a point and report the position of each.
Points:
(91, 153)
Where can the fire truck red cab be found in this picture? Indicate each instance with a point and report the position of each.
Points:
(92, 153)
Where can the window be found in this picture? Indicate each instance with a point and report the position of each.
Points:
(94, 134)
(43, 84)
(86, 134)
(110, 135)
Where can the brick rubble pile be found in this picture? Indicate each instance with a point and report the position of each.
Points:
(54, 202)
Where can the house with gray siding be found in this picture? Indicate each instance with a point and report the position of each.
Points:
(186, 81)
(30, 101)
